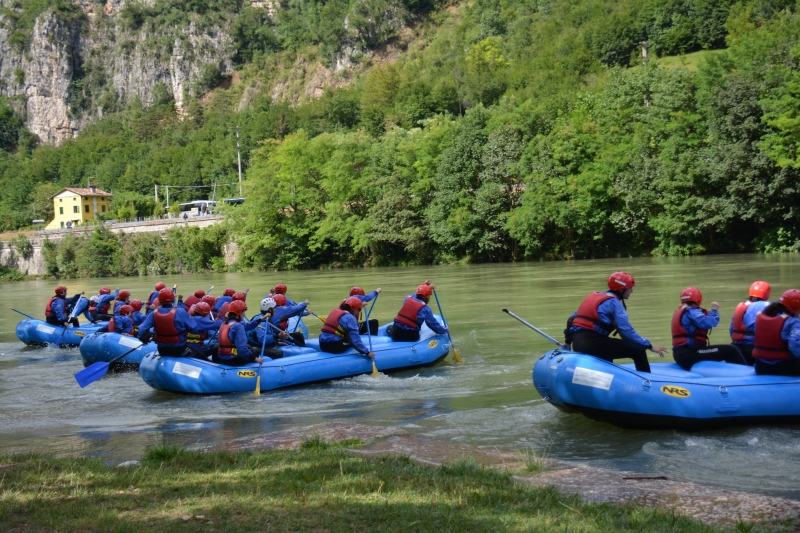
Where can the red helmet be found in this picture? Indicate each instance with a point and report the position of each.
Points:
(760, 289)
(160, 285)
(357, 290)
(125, 310)
(619, 281)
(210, 300)
(239, 296)
(237, 308)
(123, 296)
(61, 290)
(105, 290)
(280, 288)
(691, 294)
(166, 295)
(229, 292)
(791, 301)
(354, 303)
(136, 305)
(202, 309)
(199, 293)
(424, 290)
(280, 299)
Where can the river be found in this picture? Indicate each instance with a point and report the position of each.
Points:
(488, 400)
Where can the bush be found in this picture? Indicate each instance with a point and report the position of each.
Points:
(23, 246)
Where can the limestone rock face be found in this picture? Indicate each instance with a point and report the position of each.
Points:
(46, 81)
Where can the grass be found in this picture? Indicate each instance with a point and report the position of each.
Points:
(688, 61)
(320, 487)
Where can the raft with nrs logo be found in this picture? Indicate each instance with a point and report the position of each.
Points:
(711, 395)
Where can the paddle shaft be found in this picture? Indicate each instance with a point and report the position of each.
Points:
(369, 333)
(23, 314)
(279, 330)
(449, 338)
(537, 330)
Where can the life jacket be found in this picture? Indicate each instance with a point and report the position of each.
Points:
(739, 330)
(226, 346)
(112, 325)
(223, 311)
(166, 332)
(191, 300)
(197, 338)
(153, 296)
(101, 310)
(408, 314)
(48, 310)
(679, 333)
(331, 324)
(587, 317)
(768, 344)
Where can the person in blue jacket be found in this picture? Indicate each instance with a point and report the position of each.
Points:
(171, 325)
(233, 348)
(122, 299)
(358, 292)
(777, 340)
(263, 334)
(284, 312)
(56, 312)
(690, 326)
(743, 321)
(340, 330)
(227, 297)
(599, 315)
(281, 288)
(415, 312)
(206, 327)
(100, 310)
(121, 322)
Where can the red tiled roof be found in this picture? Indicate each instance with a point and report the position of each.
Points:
(84, 192)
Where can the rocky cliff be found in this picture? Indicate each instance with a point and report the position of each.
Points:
(77, 66)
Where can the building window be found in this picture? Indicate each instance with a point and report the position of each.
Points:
(62, 225)
(61, 211)
(74, 208)
(103, 208)
(87, 207)
(60, 199)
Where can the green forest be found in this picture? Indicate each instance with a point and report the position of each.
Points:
(506, 130)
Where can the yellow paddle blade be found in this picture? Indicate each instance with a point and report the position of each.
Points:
(258, 385)
(375, 372)
(457, 356)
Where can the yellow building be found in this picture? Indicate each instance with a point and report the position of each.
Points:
(74, 206)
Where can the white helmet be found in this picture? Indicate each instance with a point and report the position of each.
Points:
(267, 304)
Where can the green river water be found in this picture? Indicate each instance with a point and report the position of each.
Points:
(488, 400)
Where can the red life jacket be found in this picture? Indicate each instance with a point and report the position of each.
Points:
(739, 330)
(101, 310)
(48, 310)
(331, 324)
(408, 314)
(166, 332)
(112, 326)
(768, 344)
(153, 296)
(223, 311)
(226, 346)
(679, 333)
(587, 316)
(191, 300)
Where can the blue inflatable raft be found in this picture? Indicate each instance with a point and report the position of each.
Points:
(710, 396)
(299, 366)
(103, 347)
(39, 333)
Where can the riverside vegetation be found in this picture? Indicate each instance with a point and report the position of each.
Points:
(317, 487)
(505, 130)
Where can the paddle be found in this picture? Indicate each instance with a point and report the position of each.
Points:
(456, 356)
(375, 372)
(258, 378)
(97, 370)
(537, 330)
(279, 330)
(209, 290)
(316, 315)
(23, 314)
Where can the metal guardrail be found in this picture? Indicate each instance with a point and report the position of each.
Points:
(127, 223)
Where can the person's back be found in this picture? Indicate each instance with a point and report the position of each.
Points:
(233, 346)
(171, 324)
(743, 321)
(413, 314)
(777, 339)
(340, 330)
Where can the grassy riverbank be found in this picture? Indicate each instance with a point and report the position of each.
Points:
(317, 488)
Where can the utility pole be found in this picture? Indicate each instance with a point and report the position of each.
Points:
(156, 193)
(239, 157)
(645, 46)
(167, 186)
